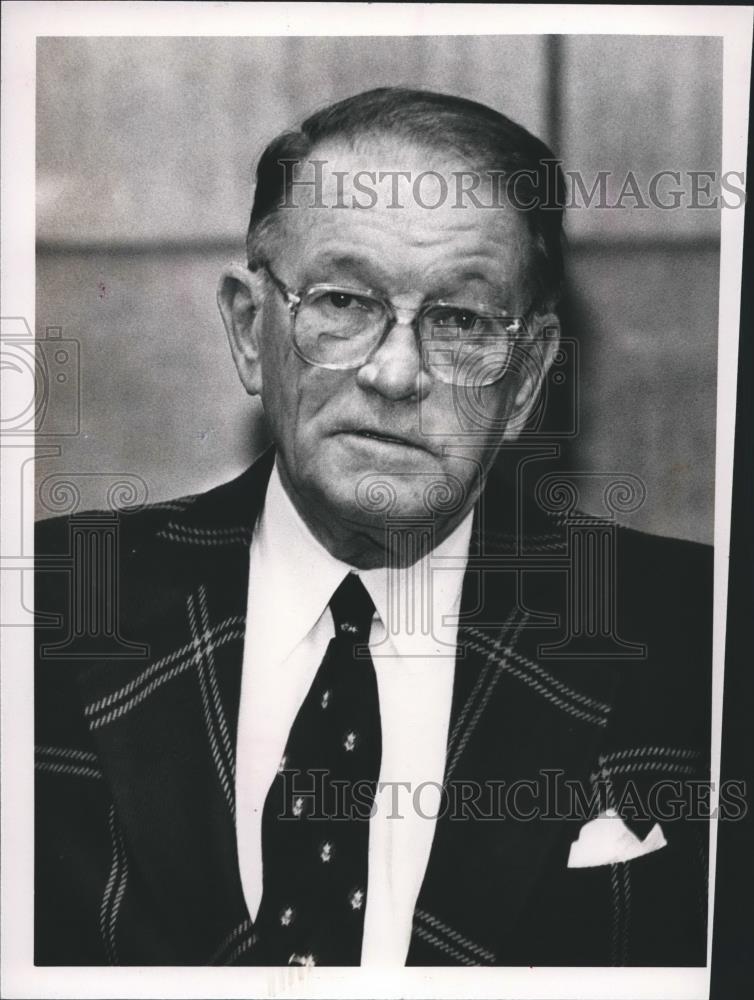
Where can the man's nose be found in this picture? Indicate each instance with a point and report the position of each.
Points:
(395, 370)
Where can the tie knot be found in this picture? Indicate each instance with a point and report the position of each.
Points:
(352, 609)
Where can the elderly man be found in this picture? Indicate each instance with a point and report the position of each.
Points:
(360, 731)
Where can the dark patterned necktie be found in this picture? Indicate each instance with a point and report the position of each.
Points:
(315, 824)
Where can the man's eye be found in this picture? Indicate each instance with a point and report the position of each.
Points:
(455, 319)
(341, 300)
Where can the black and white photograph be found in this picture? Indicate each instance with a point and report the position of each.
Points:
(369, 387)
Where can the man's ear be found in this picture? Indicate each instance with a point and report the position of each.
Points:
(533, 357)
(239, 297)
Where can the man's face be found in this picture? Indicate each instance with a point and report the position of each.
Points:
(340, 434)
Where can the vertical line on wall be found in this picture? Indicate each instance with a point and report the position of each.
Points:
(553, 90)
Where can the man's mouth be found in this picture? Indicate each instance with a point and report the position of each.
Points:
(378, 436)
(382, 436)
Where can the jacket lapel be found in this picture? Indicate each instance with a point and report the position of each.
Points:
(515, 722)
(166, 726)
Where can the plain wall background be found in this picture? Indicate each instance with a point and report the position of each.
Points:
(145, 156)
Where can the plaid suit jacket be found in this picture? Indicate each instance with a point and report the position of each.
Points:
(140, 641)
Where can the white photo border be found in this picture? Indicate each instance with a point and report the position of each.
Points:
(23, 23)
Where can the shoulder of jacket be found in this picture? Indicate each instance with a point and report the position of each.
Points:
(132, 524)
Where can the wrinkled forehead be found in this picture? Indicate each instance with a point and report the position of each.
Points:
(414, 213)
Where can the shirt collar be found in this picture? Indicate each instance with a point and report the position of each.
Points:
(293, 563)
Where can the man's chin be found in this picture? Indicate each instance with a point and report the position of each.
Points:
(359, 483)
(372, 499)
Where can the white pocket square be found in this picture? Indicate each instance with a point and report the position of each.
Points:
(607, 840)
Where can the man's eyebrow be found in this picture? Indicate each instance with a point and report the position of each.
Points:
(499, 289)
(333, 264)
(457, 277)
(369, 273)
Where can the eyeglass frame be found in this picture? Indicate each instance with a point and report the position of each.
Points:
(294, 298)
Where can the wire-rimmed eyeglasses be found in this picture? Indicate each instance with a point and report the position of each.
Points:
(339, 327)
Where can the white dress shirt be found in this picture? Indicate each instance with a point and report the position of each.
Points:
(288, 628)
